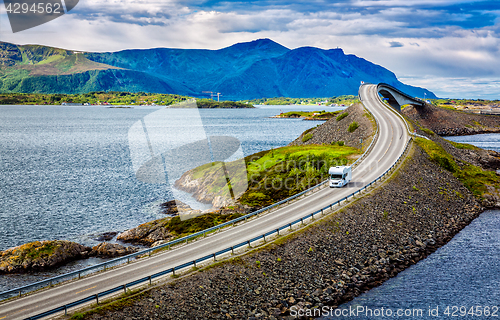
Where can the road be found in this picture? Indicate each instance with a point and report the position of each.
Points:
(392, 139)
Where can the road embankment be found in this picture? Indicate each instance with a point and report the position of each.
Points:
(446, 122)
(333, 260)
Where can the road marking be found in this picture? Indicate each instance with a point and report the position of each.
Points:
(390, 144)
(86, 289)
(3, 317)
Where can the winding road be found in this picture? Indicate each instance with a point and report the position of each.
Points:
(393, 136)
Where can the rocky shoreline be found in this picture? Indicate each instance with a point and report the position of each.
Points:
(46, 255)
(328, 263)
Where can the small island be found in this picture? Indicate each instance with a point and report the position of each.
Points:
(116, 99)
(308, 115)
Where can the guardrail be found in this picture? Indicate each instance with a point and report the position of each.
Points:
(117, 261)
(215, 254)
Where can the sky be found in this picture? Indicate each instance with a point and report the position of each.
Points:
(450, 47)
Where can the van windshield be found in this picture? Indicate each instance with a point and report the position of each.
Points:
(336, 176)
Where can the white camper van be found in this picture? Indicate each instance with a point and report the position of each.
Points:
(339, 176)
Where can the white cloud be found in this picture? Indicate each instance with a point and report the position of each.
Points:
(423, 49)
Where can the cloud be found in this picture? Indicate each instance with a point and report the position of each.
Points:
(395, 44)
(438, 38)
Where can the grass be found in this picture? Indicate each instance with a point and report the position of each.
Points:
(473, 177)
(179, 228)
(428, 131)
(310, 115)
(274, 175)
(353, 126)
(342, 116)
(307, 137)
(127, 299)
(463, 145)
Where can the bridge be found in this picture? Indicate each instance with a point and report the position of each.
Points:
(396, 98)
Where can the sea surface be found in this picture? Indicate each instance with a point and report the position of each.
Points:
(489, 141)
(461, 280)
(66, 172)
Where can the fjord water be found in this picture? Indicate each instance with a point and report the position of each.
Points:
(462, 274)
(66, 173)
(490, 141)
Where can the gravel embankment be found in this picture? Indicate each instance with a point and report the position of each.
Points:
(334, 131)
(330, 262)
(452, 123)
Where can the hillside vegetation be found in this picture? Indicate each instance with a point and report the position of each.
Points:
(256, 69)
(115, 98)
(309, 115)
(345, 100)
(270, 175)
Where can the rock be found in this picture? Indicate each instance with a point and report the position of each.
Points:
(111, 250)
(173, 207)
(147, 233)
(106, 236)
(41, 255)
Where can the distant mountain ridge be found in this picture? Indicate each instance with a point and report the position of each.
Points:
(260, 68)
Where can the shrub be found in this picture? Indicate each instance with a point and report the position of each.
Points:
(353, 126)
(340, 143)
(342, 116)
(307, 137)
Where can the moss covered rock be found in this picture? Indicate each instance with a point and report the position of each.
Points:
(41, 255)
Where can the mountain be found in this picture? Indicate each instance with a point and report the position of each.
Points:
(261, 68)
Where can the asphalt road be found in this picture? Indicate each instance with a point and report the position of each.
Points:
(393, 136)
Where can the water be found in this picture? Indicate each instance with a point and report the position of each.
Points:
(462, 274)
(66, 173)
(490, 141)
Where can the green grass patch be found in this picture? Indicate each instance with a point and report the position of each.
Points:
(473, 177)
(438, 154)
(180, 228)
(307, 137)
(353, 126)
(277, 174)
(342, 116)
(428, 131)
(310, 115)
(463, 145)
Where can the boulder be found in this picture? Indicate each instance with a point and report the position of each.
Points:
(111, 250)
(41, 255)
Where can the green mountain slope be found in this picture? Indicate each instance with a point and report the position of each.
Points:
(250, 70)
